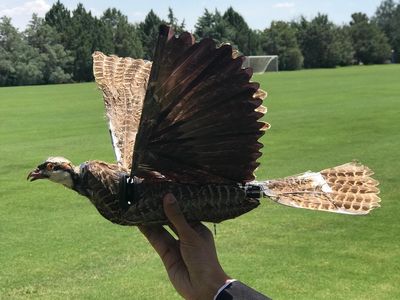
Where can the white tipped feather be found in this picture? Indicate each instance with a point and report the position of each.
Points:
(317, 181)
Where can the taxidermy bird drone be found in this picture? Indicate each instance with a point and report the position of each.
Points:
(188, 123)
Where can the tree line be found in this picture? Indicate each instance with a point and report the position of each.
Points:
(58, 47)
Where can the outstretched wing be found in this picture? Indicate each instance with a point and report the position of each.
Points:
(346, 189)
(123, 82)
(200, 114)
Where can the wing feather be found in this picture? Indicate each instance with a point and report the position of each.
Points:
(200, 120)
(123, 82)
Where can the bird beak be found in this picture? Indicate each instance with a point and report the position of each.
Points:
(35, 174)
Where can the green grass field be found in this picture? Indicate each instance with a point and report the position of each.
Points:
(54, 245)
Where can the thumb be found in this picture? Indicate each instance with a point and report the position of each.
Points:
(175, 216)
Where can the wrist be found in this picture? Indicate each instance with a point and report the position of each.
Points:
(223, 287)
(214, 284)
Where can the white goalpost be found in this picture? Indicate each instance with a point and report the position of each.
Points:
(261, 64)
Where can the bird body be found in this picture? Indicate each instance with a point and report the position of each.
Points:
(102, 184)
(126, 201)
(189, 123)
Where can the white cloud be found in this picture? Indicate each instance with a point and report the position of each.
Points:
(26, 9)
(284, 5)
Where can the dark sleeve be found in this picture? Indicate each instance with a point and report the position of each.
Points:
(239, 291)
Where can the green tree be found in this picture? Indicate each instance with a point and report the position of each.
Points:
(19, 62)
(370, 44)
(55, 60)
(240, 33)
(104, 34)
(7, 69)
(82, 42)
(59, 17)
(213, 25)
(148, 30)
(387, 17)
(123, 37)
(173, 22)
(9, 40)
(280, 39)
(319, 42)
(345, 45)
(255, 39)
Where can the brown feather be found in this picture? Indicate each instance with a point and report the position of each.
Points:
(200, 114)
(123, 82)
(352, 187)
(101, 180)
(212, 203)
(345, 189)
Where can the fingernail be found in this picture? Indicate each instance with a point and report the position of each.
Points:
(169, 198)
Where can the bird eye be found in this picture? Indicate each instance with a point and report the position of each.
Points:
(50, 167)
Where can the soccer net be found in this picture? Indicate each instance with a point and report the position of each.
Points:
(261, 64)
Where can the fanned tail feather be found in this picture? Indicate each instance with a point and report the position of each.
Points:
(346, 189)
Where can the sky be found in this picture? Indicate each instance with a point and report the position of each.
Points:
(257, 13)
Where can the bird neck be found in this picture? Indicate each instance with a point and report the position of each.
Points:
(78, 176)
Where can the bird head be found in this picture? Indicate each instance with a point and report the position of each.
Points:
(56, 169)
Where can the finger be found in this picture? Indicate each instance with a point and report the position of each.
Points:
(175, 216)
(202, 230)
(159, 238)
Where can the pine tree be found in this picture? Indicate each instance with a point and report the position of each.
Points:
(83, 42)
(148, 30)
(59, 17)
(213, 25)
(173, 22)
(123, 36)
(240, 34)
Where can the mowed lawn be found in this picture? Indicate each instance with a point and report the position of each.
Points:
(54, 245)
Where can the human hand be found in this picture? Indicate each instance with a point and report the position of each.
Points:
(191, 262)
